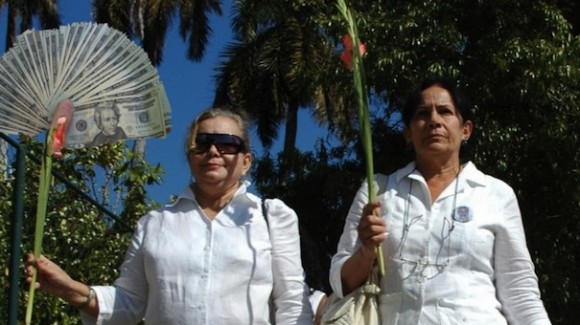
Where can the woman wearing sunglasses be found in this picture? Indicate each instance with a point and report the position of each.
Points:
(211, 257)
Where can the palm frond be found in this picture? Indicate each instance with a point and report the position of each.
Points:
(159, 16)
(194, 25)
(45, 10)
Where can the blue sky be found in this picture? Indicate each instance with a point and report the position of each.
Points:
(190, 88)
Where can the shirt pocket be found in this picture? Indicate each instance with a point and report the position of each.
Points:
(478, 240)
(453, 244)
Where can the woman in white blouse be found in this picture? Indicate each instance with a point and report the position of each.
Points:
(452, 237)
(208, 258)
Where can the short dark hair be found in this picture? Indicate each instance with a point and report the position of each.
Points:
(460, 101)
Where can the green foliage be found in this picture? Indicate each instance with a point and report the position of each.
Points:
(319, 196)
(82, 239)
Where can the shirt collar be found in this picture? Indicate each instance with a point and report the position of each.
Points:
(469, 173)
(187, 193)
(472, 175)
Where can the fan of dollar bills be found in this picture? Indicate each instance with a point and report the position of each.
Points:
(109, 79)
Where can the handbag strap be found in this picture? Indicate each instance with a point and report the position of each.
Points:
(271, 304)
(265, 213)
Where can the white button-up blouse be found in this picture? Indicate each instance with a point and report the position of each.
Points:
(462, 259)
(183, 268)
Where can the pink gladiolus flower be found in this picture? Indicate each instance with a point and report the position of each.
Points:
(60, 121)
(346, 55)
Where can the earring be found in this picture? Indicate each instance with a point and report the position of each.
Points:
(464, 141)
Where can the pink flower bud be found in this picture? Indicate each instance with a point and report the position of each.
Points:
(60, 121)
(347, 54)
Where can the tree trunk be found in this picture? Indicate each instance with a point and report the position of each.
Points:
(11, 24)
(289, 140)
(139, 151)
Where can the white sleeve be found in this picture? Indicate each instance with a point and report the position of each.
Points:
(516, 281)
(124, 302)
(290, 292)
(349, 242)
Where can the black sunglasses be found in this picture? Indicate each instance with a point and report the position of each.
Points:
(224, 143)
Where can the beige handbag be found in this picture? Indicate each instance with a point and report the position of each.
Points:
(360, 307)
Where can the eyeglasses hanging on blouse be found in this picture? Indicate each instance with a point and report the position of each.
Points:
(423, 268)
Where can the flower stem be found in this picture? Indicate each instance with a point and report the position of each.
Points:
(364, 116)
(44, 188)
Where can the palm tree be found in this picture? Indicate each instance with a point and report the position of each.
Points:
(282, 63)
(148, 21)
(24, 11)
